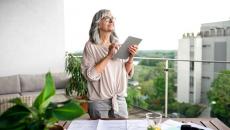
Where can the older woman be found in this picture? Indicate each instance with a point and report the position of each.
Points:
(107, 77)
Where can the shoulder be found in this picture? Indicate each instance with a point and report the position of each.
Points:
(89, 47)
(89, 44)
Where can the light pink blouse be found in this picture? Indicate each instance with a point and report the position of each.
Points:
(110, 83)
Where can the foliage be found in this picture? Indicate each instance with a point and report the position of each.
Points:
(156, 93)
(42, 114)
(220, 94)
(143, 73)
(152, 82)
(135, 98)
(157, 53)
(186, 109)
(77, 82)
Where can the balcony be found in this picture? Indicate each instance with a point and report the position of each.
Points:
(159, 85)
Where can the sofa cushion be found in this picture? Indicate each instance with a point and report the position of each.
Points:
(9, 85)
(35, 83)
(60, 79)
(31, 83)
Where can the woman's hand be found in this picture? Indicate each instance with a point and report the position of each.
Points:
(112, 50)
(132, 50)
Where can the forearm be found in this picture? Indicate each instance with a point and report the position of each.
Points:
(101, 65)
(129, 65)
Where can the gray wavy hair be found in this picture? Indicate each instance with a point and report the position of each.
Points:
(94, 35)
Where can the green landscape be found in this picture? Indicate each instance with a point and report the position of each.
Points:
(150, 93)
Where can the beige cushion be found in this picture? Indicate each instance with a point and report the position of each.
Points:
(60, 79)
(9, 85)
(31, 83)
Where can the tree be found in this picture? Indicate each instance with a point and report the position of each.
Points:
(220, 94)
(156, 98)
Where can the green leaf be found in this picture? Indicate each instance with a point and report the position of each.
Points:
(44, 98)
(68, 111)
(17, 101)
(14, 116)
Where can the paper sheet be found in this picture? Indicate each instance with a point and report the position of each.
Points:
(83, 125)
(108, 125)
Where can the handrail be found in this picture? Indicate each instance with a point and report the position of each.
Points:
(170, 59)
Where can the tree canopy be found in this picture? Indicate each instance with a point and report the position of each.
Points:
(219, 97)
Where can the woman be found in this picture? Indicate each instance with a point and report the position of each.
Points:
(106, 77)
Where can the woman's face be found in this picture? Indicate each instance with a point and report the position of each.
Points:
(106, 23)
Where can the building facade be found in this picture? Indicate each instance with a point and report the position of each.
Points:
(211, 44)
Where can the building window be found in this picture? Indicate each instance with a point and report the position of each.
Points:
(228, 31)
(206, 45)
(205, 77)
(192, 65)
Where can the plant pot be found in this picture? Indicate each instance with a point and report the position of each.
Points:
(83, 102)
(85, 106)
(56, 127)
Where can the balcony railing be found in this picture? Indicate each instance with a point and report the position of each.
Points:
(170, 69)
(166, 72)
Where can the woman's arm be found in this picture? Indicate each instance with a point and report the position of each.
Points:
(129, 63)
(101, 65)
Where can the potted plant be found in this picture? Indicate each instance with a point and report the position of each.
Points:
(77, 85)
(43, 114)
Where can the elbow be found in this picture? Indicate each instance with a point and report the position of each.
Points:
(93, 75)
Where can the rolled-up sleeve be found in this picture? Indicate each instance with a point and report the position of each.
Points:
(92, 74)
(88, 65)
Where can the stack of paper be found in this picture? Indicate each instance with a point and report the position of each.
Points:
(108, 125)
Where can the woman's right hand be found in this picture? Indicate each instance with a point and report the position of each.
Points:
(112, 50)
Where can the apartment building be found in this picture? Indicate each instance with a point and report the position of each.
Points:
(211, 44)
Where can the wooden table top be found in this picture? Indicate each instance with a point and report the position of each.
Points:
(212, 123)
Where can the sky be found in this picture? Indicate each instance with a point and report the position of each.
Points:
(160, 23)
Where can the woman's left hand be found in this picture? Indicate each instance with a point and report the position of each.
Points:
(133, 50)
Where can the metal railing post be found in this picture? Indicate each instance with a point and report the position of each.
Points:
(166, 87)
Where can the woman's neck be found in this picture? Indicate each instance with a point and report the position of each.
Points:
(105, 37)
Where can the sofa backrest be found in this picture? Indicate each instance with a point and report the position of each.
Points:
(9, 85)
(31, 83)
(61, 80)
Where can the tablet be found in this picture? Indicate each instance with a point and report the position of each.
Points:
(123, 52)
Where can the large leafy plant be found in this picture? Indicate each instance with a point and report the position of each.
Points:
(77, 82)
(42, 114)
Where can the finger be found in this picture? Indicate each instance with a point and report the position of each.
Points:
(131, 48)
(116, 46)
(133, 52)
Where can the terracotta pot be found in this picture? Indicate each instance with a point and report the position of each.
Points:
(83, 102)
(85, 106)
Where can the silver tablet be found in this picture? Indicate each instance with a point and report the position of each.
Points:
(123, 52)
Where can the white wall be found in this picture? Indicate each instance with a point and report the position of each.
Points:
(183, 70)
(197, 70)
(31, 36)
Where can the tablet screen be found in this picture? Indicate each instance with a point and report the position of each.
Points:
(123, 52)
